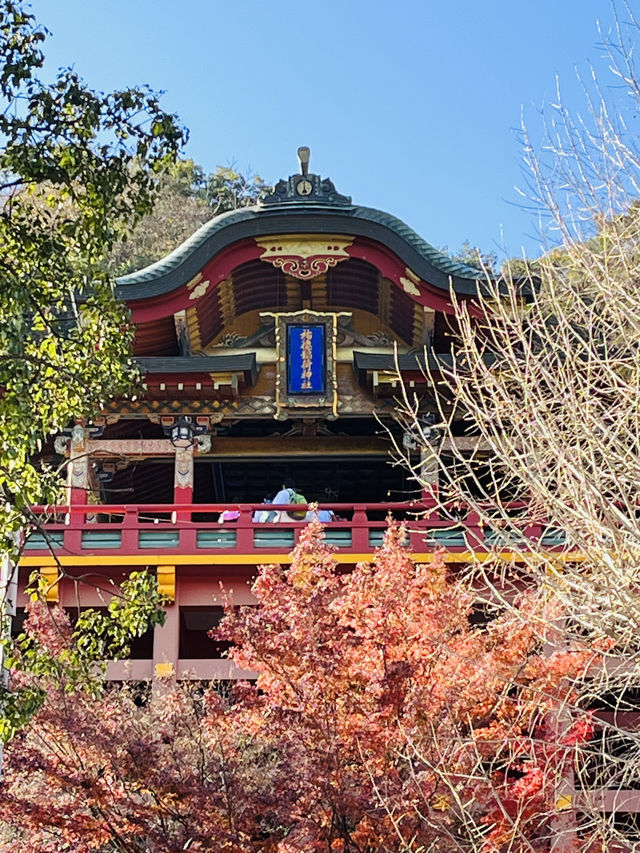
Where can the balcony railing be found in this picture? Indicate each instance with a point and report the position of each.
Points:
(195, 529)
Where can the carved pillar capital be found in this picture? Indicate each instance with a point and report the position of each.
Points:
(183, 478)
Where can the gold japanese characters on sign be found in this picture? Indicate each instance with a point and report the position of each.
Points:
(306, 363)
(306, 358)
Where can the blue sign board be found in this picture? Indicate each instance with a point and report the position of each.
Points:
(306, 359)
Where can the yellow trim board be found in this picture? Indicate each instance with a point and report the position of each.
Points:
(260, 559)
(167, 582)
(50, 582)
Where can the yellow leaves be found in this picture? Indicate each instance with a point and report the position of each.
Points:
(564, 802)
(301, 574)
(47, 587)
(164, 670)
(441, 803)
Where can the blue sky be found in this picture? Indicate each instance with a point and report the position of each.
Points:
(410, 106)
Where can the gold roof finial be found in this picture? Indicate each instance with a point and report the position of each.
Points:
(304, 154)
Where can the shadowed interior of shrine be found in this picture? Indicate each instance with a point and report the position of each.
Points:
(344, 479)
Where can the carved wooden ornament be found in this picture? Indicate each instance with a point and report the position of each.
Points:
(305, 256)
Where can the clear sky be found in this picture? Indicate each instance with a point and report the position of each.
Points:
(411, 106)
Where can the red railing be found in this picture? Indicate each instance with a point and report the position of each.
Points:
(194, 528)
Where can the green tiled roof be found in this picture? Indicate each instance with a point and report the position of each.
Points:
(412, 361)
(183, 263)
(244, 363)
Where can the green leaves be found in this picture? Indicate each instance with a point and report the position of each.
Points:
(77, 171)
(129, 615)
(52, 653)
(20, 53)
(18, 707)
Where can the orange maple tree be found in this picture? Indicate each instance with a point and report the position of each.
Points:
(382, 719)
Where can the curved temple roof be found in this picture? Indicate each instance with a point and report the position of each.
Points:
(321, 211)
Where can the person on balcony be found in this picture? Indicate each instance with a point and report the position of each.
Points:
(262, 516)
(324, 516)
(286, 495)
(230, 514)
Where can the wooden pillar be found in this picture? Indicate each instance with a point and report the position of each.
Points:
(428, 328)
(564, 835)
(183, 479)
(428, 473)
(563, 823)
(166, 646)
(78, 467)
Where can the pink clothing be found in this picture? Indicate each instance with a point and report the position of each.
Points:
(228, 515)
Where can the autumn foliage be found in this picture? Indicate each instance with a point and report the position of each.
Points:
(382, 719)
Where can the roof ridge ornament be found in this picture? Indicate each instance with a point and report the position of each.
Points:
(305, 187)
(304, 155)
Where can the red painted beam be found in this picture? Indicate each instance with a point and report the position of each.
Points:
(216, 270)
(221, 266)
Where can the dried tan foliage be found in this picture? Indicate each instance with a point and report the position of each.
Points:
(546, 374)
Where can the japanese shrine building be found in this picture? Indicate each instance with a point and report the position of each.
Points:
(270, 344)
(267, 342)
